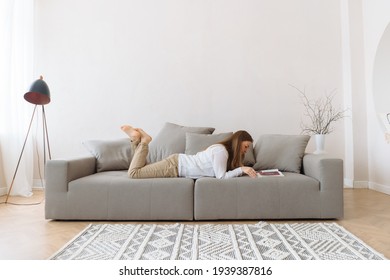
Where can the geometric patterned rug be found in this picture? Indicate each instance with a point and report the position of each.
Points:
(261, 241)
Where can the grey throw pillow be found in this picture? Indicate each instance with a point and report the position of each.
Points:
(284, 152)
(172, 140)
(198, 142)
(110, 154)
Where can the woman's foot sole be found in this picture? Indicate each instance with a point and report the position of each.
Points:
(132, 132)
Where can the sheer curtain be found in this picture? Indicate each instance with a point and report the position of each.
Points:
(16, 74)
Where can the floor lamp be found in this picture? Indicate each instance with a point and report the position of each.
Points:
(39, 94)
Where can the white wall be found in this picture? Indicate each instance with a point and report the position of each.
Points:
(376, 19)
(355, 97)
(221, 63)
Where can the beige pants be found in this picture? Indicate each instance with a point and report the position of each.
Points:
(162, 169)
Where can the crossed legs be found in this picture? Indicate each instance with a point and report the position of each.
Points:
(138, 167)
(136, 135)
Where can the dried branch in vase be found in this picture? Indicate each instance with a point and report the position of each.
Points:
(321, 113)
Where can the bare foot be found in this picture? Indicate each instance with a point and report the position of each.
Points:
(145, 138)
(132, 132)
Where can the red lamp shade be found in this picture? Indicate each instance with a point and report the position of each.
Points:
(39, 93)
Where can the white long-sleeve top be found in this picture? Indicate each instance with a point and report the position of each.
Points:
(211, 162)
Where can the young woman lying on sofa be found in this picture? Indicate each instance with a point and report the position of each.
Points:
(222, 160)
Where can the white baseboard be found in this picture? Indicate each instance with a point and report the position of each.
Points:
(3, 191)
(349, 183)
(38, 184)
(360, 185)
(379, 188)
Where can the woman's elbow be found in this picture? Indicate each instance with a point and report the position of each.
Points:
(221, 176)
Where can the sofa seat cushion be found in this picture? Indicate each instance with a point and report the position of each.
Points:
(292, 196)
(112, 195)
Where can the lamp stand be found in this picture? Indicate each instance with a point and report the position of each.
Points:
(45, 139)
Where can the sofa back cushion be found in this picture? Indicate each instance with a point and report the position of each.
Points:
(172, 140)
(110, 154)
(196, 142)
(284, 152)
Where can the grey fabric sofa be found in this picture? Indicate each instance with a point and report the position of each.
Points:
(92, 188)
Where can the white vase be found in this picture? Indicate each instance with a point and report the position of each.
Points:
(320, 144)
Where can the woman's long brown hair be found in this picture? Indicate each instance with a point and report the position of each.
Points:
(233, 146)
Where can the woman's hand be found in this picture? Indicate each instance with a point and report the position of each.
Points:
(249, 171)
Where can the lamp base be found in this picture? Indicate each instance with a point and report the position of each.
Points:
(45, 143)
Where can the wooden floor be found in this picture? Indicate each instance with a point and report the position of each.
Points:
(26, 235)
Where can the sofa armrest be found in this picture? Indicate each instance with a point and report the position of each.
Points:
(60, 172)
(329, 171)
